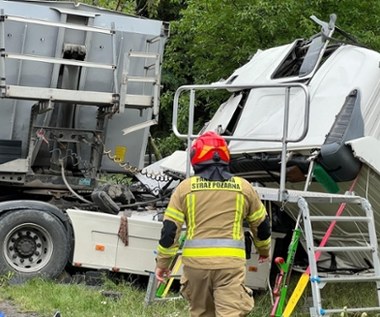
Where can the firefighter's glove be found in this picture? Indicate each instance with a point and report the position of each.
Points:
(161, 274)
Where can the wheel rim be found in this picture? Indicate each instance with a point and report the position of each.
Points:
(28, 247)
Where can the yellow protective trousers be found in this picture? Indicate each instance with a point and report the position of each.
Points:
(216, 293)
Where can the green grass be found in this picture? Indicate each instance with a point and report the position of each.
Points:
(74, 300)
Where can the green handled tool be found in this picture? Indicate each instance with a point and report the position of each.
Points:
(175, 264)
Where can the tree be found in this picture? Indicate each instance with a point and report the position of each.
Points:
(211, 38)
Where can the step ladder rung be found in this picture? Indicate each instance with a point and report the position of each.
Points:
(343, 249)
(141, 79)
(350, 310)
(340, 218)
(143, 54)
(138, 101)
(343, 279)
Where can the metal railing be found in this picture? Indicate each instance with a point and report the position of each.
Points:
(284, 139)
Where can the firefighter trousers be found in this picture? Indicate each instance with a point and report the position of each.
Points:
(216, 293)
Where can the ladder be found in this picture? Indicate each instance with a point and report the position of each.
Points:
(370, 247)
(152, 63)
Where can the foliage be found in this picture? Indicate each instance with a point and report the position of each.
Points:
(126, 6)
(164, 9)
(214, 37)
(170, 144)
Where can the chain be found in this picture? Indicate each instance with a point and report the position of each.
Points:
(133, 170)
(130, 169)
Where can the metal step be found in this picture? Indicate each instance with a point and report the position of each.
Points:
(138, 101)
(142, 79)
(349, 279)
(343, 249)
(340, 218)
(325, 312)
(143, 55)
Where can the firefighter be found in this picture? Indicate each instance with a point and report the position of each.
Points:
(213, 205)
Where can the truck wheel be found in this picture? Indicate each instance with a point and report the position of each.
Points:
(33, 243)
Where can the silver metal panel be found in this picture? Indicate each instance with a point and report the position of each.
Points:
(41, 42)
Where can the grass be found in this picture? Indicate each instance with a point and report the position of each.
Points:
(73, 300)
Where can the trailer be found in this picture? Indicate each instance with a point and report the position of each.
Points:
(80, 87)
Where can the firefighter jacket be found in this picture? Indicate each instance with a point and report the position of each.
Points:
(213, 213)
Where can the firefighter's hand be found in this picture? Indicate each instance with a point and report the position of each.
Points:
(263, 259)
(161, 274)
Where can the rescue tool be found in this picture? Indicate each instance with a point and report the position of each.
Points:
(282, 280)
(175, 265)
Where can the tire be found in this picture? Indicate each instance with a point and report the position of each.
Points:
(33, 243)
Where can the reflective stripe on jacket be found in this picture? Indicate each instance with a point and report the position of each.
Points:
(213, 212)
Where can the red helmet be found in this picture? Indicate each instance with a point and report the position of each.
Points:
(209, 147)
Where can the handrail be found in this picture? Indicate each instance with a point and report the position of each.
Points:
(284, 139)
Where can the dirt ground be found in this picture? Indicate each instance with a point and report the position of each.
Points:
(10, 310)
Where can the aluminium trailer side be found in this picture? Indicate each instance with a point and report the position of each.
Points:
(79, 89)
